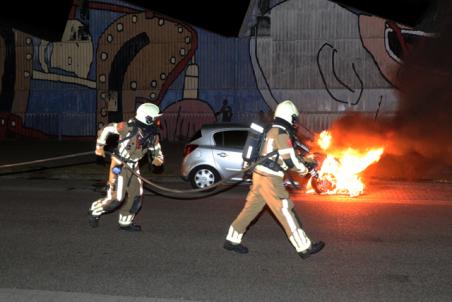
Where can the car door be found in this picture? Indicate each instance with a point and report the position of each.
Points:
(228, 151)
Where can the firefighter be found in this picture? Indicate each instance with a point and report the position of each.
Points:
(136, 137)
(268, 188)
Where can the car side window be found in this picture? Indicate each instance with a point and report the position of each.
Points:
(219, 139)
(231, 139)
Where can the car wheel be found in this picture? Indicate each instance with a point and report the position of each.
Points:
(324, 184)
(203, 176)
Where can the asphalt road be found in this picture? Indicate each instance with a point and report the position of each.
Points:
(392, 244)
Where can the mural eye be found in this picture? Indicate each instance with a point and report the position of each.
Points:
(398, 41)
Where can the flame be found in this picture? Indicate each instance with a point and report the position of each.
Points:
(341, 167)
(324, 140)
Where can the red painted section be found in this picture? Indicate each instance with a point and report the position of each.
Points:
(12, 125)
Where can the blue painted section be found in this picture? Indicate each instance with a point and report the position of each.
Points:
(99, 22)
(55, 97)
(61, 109)
(225, 72)
(224, 63)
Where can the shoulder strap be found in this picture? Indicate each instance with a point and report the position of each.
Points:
(131, 133)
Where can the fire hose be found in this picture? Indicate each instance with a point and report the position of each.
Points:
(26, 163)
(164, 191)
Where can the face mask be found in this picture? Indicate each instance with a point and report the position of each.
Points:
(149, 133)
(295, 121)
(149, 120)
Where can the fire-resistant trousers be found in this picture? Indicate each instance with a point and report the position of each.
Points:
(269, 190)
(125, 190)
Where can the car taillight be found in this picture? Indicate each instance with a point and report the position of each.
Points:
(189, 149)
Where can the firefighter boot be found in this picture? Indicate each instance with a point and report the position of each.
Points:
(313, 249)
(131, 228)
(238, 248)
(94, 221)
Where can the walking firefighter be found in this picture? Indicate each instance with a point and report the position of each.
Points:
(268, 188)
(125, 190)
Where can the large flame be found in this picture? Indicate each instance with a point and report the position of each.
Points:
(342, 167)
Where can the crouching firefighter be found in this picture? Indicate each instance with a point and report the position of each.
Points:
(268, 187)
(136, 137)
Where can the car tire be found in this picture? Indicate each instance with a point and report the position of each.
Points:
(203, 176)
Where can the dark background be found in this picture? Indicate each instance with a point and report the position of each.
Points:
(47, 18)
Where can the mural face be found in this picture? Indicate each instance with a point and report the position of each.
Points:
(114, 57)
(317, 58)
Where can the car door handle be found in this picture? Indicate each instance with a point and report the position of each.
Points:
(222, 154)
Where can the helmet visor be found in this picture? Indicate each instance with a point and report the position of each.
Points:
(149, 119)
(295, 120)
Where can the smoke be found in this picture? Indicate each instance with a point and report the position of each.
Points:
(418, 140)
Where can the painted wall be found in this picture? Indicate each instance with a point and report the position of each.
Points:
(114, 57)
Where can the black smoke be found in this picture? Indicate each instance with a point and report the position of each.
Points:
(418, 139)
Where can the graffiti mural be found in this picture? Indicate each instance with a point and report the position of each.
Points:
(114, 56)
(316, 57)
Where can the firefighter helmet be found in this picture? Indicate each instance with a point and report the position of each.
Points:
(147, 113)
(287, 111)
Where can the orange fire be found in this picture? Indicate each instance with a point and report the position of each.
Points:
(341, 167)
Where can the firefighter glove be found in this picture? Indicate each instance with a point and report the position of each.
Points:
(100, 150)
(157, 162)
(313, 173)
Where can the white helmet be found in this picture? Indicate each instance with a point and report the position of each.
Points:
(287, 111)
(147, 113)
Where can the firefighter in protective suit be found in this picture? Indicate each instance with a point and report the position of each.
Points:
(136, 137)
(268, 188)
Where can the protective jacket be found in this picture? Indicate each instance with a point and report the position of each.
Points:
(134, 141)
(280, 138)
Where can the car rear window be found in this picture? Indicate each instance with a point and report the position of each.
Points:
(231, 139)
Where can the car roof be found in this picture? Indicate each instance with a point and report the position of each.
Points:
(224, 125)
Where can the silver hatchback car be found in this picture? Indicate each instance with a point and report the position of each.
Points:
(214, 153)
